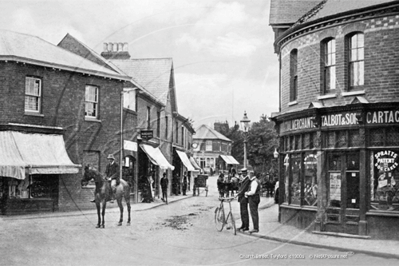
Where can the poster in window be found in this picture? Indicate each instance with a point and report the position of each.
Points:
(335, 186)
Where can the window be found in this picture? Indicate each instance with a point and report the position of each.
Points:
(148, 117)
(158, 124)
(182, 136)
(166, 127)
(294, 75)
(33, 94)
(329, 78)
(356, 61)
(208, 146)
(177, 132)
(91, 101)
(129, 99)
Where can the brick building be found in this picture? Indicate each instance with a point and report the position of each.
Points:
(58, 112)
(338, 121)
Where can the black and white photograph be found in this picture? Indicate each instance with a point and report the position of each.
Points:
(199, 132)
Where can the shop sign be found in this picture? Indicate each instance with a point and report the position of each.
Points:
(297, 124)
(386, 160)
(310, 160)
(382, 117)
(343, 119)
(146, 134)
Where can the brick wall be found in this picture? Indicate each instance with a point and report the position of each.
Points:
(381, 36)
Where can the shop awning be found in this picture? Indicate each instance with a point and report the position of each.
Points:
(229, 159)
(33, 153)
(185, 161)
(194, 163)
(156, 157)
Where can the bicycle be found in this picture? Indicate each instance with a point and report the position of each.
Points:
(221, 219)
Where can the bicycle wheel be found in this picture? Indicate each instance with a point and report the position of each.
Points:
(231, 224)
(219, 218)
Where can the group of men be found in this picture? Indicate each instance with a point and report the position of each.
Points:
(249, 195)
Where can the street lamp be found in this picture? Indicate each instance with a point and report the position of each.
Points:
(245, 126)
(125, 90)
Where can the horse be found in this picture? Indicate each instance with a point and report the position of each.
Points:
(102, 194)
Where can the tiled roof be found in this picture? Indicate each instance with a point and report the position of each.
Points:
(153, 74)
(289, 11)
(34, 50)
(333, 7)
(206, 132)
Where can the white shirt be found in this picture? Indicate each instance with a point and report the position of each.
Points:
(253, 187)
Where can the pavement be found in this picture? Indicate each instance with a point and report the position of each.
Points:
(269, 228)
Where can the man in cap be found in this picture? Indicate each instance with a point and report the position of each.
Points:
(253, 195)
(243, 200)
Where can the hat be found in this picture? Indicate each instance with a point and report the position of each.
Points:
(244, 170)
(110, 156)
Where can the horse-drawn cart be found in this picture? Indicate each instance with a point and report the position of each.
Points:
(200, 182)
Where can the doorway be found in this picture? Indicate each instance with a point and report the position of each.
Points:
(343, 195)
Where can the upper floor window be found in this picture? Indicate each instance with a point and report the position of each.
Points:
(33, 94)
(294, 75)
(158, 124)
(208, 146)
(177, 132)
(356, 60)
(129, 99)
(91, 101)
(182, 136)
(329, 77)
(148, 117)
(166, 127)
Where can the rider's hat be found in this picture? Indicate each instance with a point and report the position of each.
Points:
(244, 170)
(111, 156)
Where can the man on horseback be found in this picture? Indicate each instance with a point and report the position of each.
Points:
(112, 173)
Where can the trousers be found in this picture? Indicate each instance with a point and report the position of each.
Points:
(253, 208)
(244, 213)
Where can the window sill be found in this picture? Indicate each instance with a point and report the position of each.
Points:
(292, 103)
(327, 96)
(353, 93)
(34, 114)
(92, 119)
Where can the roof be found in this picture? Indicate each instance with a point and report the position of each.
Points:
(334, 7)
(289, 11)
(34, 50)
(206, 132)
(154, 74)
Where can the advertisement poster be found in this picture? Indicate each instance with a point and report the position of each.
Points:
(335, 186)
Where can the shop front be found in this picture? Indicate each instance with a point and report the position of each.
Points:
(30, 168)
(339, 169)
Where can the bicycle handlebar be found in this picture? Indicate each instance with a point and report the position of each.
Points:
(226, 199)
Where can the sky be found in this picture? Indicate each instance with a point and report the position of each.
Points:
(222, 50)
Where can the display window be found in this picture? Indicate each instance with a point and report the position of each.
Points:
(310, 181)
(334, 180)
(296, 178)
(33, 186)
(384, 183)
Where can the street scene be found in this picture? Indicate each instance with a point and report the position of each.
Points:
(186, 132)
(180, 233)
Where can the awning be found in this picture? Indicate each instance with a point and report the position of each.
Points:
(194, 163)
(33, 153)
(156, 157)
(185, 161)
(229, 159)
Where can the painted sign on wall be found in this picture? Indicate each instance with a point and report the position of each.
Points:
(342, 119)
(382, 117)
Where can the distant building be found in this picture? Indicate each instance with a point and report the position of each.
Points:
(338, 121)
(212, 150)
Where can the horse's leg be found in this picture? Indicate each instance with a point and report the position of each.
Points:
(103, 212)
(127, 199)
(98, 214)
(120, 205)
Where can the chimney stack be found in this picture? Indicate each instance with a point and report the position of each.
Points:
(115, 51)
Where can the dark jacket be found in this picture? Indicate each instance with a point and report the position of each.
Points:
(164, 182)
(112, 171)
(243, 188)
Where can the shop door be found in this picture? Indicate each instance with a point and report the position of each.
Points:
(343, 193)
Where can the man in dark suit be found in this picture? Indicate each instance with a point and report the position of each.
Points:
(253, 195)
(112, 173)
(243, 200)
(164, 186)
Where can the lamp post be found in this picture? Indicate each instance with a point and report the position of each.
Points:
(125, 90)
(245, 126)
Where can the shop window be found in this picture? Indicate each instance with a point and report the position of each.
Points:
(286, 172)
(34, 186)
(306, 141)
(331, 139)
(292, 143)
(91, 101)
(376, 137)
(310, 180)
(295, 184)
(341, 139)
(354, 138)
(33, 94)
(334, 180)
(384, 180)
(298, 142)
(392, 136)
(356, 61)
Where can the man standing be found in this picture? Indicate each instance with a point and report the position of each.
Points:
(243, 200)
(164, 187)
(112, 173)
(184, 183)
(253, 195)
